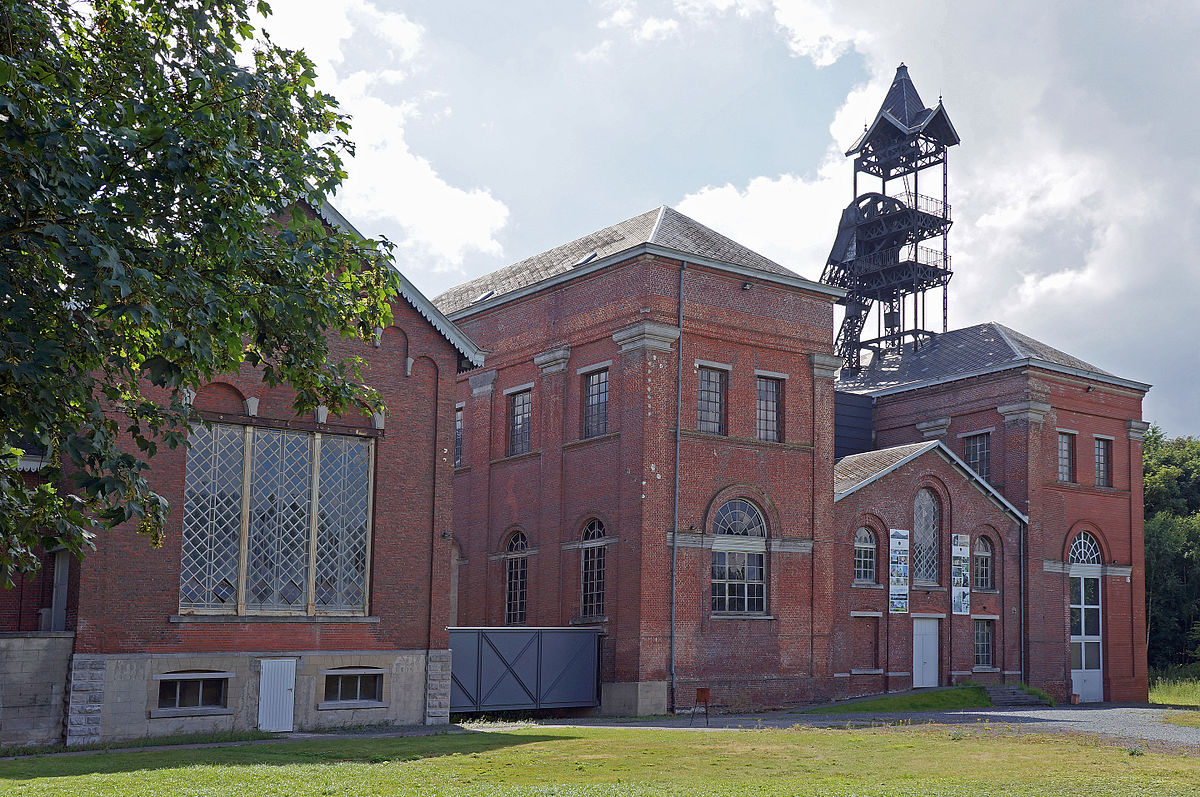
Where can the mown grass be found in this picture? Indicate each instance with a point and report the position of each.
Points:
(1188, 719)
(902, 760)
(958, 697)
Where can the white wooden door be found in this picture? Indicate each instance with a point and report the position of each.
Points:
(925, 651)
(1087, 667)
(277, 694)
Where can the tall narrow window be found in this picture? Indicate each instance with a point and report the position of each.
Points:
(864, 556)
(739, 584)
(1066, 457)
(977, 453)
(1103, 462)
(520, 414)
(458, 437)
(516, 578)
(592, 586)
(983, 643)
(770, 409)
(711, 401)
(984, 576)
(595, 403)
(927, 524)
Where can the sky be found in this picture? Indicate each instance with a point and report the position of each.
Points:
(489, 131)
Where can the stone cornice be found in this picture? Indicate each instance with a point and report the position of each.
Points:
(649, 335)
(825, 366)
(553, 361)
(1137, 429)
(482, 383)
(1032, 411)
(935, 428)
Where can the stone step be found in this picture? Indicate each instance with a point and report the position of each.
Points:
(1013, 696)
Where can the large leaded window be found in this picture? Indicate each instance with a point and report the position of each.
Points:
(864, 556)
(592, 576)
(984, 634)
(595, 403)
(927, 524)
(520, 418)
(275, 521)
(1085, 551)
(516, 578)
(739, 584)
(1066, 457)
(1103, 462)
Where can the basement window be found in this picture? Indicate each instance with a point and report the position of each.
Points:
(192, 692)
(353, 687)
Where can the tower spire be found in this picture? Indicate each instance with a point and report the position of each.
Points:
(877, 255)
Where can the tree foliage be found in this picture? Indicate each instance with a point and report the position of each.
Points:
(141, 152)
(1171, 470)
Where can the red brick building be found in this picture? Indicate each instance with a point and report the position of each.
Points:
(305, 576)
(651, 451)
(1060, 439)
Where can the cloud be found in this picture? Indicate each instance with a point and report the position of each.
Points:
(362, 55)
(655, 29)
(599, 54)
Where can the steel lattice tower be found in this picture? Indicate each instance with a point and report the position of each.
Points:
(878, 256)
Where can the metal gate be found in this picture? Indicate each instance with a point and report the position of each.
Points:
(495, 669)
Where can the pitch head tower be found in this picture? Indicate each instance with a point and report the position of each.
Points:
(887, 251)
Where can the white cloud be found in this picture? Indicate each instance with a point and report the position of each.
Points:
(390, 189)
(655, 29)
(599, 54)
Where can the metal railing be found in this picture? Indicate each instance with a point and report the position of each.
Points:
(926, 204)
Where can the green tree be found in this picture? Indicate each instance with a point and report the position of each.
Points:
(142, 154)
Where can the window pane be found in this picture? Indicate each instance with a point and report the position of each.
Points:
(212, 518)
(520, 414)
(1091, 622)
(458, 437)
(926, 537)
(333, 687)
(1066, 457)
(189, 693)
(1103, 463)
(595, 403)
(1076, 591)
(342, 533)
(711, 401)
(212, 692)
(1076, 655)
(1091, 655)
(1076, 621)
(168, 694)
(739, 582)
(1091, 592)
(280, 498)
(977, 453)
(770, 409)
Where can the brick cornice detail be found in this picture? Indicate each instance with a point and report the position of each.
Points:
(1032, 411)
(935, 428)
(649, 335)
(825, 366)
(553, 361)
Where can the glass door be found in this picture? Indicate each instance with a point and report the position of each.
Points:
(1086, 665)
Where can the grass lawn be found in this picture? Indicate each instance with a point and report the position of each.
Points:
(1188, 719)
(902, 760)
(941, 700)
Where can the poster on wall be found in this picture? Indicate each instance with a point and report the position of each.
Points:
(898, 572)
(960, 573)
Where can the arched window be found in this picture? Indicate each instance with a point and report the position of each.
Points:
(592, 581)
(739, 583)
(864, 555)
(516, 572)
(927, 524)
(741, 517)
(1085, 550)
(984, 574)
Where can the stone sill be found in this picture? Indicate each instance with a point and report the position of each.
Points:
(37, 635)
(271, 618)
(741, 617)
(866, 672)
(516, 457)
(213, 711)
(583, 441)
(753, 441)
(865, 585)
(347, 705)
(926, 588)
(985, 669)
(587, 620)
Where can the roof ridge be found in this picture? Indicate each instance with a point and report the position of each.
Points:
(662, 211)
(1003, 332)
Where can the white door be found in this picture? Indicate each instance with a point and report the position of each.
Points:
(925, 651)
(276, 694)
(1087, 673)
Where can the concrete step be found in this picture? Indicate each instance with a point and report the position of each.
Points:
(1013, 696)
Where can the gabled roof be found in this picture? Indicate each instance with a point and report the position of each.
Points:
(852, 473)
(963, 353)
(903, 110)
(465, 346)
(662, 230)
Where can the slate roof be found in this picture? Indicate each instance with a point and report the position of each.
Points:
(857, 469)
(961, 353)
(663, 226)
(903, 109)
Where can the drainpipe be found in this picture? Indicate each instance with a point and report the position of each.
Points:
(1021, 554)
(675, 503)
